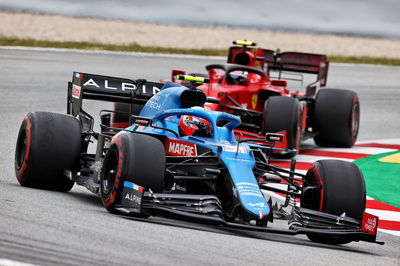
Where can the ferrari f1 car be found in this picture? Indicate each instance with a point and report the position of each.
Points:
(179, 160)
(245, 87)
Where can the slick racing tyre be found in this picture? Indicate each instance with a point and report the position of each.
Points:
(337, 117)
(340, 189)
(283, 114)
(47, 144)
(136, 158)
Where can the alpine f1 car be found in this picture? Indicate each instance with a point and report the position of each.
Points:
(245, 87)
(179, 160)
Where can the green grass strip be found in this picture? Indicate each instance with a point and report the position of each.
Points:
(134, 47)
(382, 179)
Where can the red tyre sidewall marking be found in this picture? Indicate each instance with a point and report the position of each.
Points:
(111, 197)
(28, 126)
(298, 130)
(353, 109)
(320, 185)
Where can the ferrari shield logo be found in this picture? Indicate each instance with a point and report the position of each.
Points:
(254, 101)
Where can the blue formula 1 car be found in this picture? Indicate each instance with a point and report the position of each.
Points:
(179, 160)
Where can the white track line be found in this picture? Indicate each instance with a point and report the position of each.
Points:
(392, 232)
(311, 158)
(7, 262)
(360, 150)
(385, 215)
(383, 141)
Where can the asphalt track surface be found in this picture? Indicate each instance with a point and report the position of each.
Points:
(49, 228)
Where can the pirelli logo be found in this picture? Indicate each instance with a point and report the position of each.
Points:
(180, 148)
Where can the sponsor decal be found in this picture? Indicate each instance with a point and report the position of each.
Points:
(132, 195)
(76, 91)
(91, 82)
(254, 101)
(142, 122)
(260, 204)
(369, 223)
(154, 91)
(117, 84)
(153, 104)
(124, 86)
(128, 86)
(234, 148)
(180, 148)
(249, 189)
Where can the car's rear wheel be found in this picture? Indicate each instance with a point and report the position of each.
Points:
(283, 114)
(136, 158)
(47, 144)
(340, 189)
(337, 117)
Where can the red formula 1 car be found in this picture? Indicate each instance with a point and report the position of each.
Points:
(245, 87)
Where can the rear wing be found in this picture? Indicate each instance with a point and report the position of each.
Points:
(267, 60)
(105, 88)
(297, 62)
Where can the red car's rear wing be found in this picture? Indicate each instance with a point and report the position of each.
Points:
(298, 62)
(268, 60)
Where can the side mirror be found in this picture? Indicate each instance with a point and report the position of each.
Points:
(176, 72)
(193, 80)
(273, 137)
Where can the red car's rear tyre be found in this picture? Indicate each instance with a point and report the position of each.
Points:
(340, 189)
(47, 144)
(137, 158)
(337, 117)
(282, 113)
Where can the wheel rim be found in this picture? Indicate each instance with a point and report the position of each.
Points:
(355, 121)
(21, 149)
(110, 171)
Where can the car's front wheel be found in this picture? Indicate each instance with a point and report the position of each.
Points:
(136, 158)
(340, 189)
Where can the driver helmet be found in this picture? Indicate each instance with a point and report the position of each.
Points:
(194, 126)
(237, 78)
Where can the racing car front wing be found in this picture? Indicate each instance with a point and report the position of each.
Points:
(207, 209)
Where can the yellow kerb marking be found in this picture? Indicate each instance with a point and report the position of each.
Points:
(394, 158)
